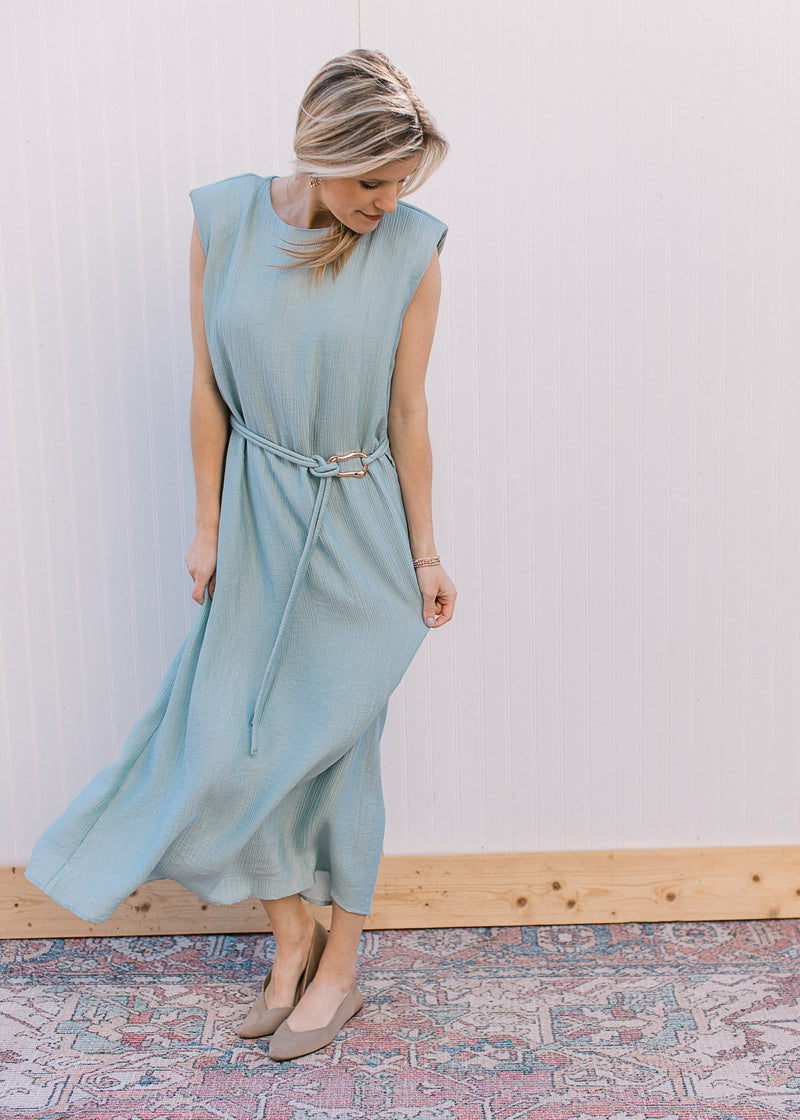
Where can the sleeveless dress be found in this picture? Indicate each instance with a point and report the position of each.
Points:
(256, 771)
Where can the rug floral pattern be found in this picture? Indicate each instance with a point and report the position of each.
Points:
(668, 1021)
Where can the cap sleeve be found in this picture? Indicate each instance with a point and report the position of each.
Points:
(219, 207)
(422, 235)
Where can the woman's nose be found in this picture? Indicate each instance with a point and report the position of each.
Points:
(387, 200)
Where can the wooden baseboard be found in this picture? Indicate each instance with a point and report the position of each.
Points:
(509, 889)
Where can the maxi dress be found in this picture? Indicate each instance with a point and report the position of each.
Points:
(256, 771)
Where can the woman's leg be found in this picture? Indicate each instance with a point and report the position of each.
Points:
(335, 975)
(292, 927)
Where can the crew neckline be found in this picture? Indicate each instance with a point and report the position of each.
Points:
(295, 229)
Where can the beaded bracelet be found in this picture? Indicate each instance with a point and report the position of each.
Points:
(427, 562)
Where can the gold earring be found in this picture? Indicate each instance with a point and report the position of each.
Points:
(315, 183)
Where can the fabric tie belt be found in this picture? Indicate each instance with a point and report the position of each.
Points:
(326, 470)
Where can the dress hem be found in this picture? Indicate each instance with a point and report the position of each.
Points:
(209, 901)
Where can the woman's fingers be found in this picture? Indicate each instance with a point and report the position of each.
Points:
(429, 610)
(438, 595)
(446, 603)
(201, 560)
(201, 582)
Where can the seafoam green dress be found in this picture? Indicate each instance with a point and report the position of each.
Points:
(256, 772)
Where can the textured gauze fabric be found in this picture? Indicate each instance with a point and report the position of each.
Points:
(256, 771)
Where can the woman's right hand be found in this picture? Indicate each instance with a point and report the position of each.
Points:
(201, 560)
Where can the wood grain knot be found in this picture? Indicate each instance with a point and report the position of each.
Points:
(756, 878)
(670, 896)
(145, 906)
(570, 903)
(556, 885)
(522, 901)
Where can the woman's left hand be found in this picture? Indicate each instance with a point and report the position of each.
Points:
(438, 595)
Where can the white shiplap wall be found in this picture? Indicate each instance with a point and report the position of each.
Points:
(614, 399)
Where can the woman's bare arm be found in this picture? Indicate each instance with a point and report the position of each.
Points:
(410, 444)
(209, 428)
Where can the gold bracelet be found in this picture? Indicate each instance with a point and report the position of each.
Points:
(427, 562)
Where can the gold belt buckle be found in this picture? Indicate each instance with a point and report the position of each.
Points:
(350, 455)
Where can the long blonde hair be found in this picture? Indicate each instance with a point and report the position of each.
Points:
(358, 113)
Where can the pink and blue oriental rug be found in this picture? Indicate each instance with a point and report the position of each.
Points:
(670, 1021)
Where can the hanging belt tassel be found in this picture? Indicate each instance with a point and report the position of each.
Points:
(326, 470)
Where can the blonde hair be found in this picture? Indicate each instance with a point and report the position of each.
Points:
(359, 113)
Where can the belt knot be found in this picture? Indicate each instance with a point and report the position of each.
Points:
(322, 468)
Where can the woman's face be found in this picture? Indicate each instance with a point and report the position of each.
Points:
(361, 203)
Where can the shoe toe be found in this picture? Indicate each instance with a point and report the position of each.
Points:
(262, 1020)
(286, 1043)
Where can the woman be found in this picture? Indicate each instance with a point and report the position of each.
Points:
(256, 772)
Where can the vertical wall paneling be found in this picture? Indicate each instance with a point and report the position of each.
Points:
(112, 113)
(612, 398)
(612, 153)
(786, 682)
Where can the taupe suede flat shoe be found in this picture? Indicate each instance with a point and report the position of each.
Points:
(262, 1020)
(286, 1043)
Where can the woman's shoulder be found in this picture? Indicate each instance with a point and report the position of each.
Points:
(408, 238)
(221, 205)
(418, 218)
(234, 189)
(413, 223)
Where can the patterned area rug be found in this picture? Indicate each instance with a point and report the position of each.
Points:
(669, 1021)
